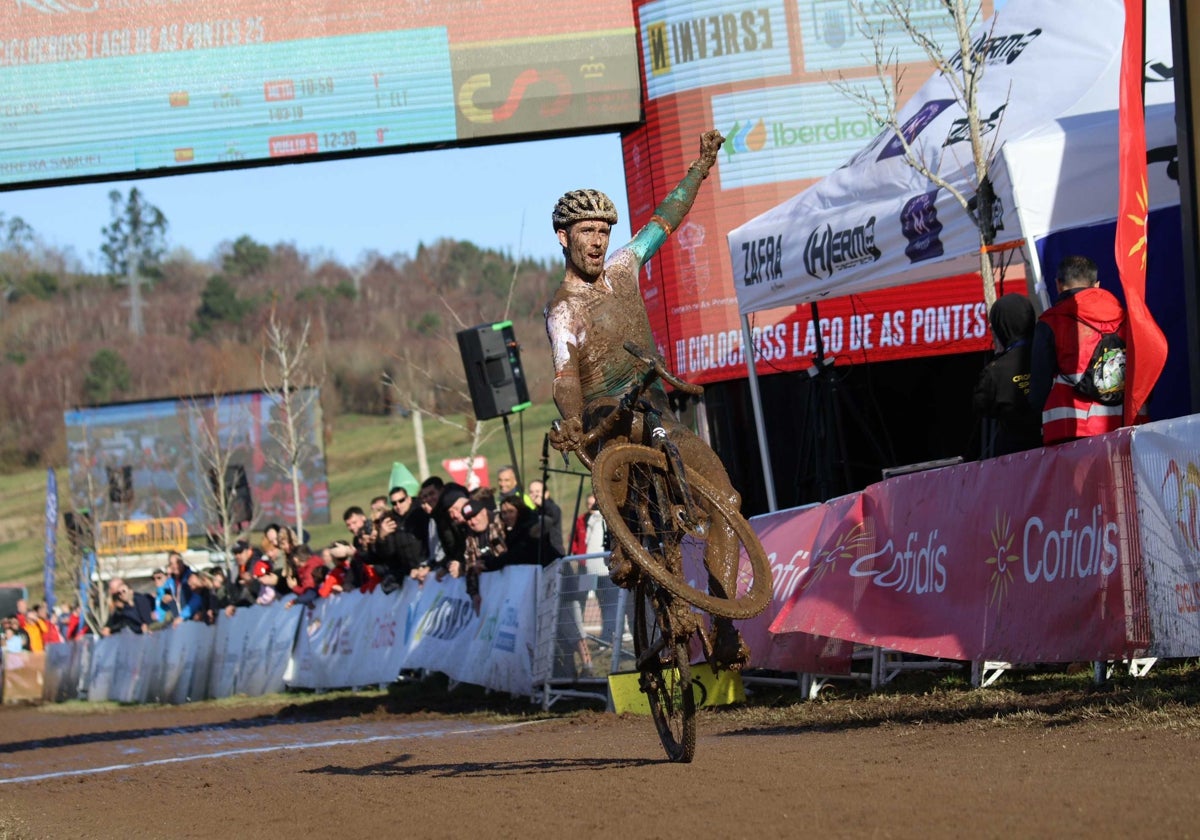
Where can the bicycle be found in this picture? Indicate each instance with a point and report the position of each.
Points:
(658, 511)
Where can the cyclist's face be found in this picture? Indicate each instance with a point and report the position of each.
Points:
(586, 244)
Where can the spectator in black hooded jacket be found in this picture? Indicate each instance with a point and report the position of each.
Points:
(443, 502)
(1002, 392)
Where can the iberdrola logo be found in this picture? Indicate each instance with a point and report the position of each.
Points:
(751, 137)
(1002, 557)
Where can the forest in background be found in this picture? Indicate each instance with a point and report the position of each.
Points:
(382, 334)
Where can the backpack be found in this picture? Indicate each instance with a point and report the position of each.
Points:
(1103, 380)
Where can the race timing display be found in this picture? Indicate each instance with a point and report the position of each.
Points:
(95, 89)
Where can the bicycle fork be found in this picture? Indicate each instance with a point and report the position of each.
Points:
(685, 511)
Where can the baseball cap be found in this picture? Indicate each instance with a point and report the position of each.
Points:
(471, 508)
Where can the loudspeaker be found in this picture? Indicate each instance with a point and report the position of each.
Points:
(239, 502)
(492, 361)
(120, 485)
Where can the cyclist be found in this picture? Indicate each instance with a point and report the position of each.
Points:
(594, 311)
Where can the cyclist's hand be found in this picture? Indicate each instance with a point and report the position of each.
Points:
(566, 435)
(710, 143)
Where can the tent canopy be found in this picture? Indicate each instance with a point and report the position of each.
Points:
(876, 222)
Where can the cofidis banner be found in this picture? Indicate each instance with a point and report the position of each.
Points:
(1028, 558)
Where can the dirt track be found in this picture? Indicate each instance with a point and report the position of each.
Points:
(594, 775)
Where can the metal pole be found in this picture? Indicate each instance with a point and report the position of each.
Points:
(764, 452)
(512, 451)
(1185, 32)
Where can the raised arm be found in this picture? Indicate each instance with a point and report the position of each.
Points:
(669, 215)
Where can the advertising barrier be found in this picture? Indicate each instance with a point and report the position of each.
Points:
(1166, 458)
(357, 639)
(245, 653)
(1027, 558)
(794, 651)
(23, 676)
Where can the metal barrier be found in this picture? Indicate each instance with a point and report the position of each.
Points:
(583, 632)
(141, 536)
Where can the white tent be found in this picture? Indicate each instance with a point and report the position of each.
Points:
(1063, 175)
(1048, 97)
(876, 222)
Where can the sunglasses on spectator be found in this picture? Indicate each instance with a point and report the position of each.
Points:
(400, 500)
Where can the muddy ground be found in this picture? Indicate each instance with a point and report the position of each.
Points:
(283, 770)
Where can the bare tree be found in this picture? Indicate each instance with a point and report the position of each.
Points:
(292, 385)
(84, 572)
(406, 395)
(962, 71)
(221, 444)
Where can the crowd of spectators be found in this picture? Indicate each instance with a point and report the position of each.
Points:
(397, 541)
(32, 628)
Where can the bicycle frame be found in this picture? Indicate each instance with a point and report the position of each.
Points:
(630, 405)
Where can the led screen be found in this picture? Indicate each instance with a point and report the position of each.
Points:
(91, 89)
(151, 460)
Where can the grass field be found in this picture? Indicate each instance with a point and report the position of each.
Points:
(359, 457)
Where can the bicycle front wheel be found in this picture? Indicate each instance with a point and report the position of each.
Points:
(641, 505)
(665, 671)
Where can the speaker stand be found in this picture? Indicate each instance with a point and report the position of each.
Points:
(512, 452)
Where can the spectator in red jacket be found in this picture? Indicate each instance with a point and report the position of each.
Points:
(77, 628)
(300, 576)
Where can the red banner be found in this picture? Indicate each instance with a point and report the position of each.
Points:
(801, 652)
(1147, 346)
(1018, 559)
(471, 473)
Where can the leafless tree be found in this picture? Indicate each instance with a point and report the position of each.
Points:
(291, 382)
(83, 572)
(409, 395)
(962, 69)
(221, 442)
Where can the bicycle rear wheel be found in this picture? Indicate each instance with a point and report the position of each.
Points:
(665, 671)
(627, 480)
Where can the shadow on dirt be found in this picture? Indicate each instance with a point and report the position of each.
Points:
(482, 770)
(123, 735)
(432, 696)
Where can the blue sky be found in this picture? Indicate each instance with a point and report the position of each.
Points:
(497, 196)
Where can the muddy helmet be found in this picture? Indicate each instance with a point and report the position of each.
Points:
(578, 205)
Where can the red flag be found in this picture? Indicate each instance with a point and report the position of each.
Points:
(1146, 345)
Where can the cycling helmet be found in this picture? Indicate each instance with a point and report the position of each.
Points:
(579, 205)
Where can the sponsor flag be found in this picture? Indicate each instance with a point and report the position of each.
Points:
(1147, 346)
(51, 535)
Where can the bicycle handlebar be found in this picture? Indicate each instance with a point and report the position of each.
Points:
(655, 369)
(655, 363)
